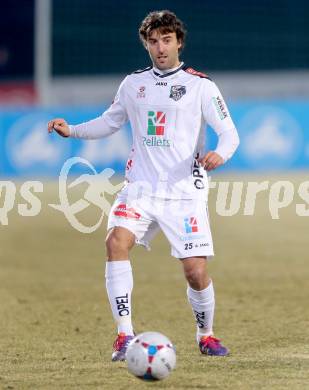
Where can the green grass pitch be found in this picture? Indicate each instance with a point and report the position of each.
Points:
(57, 330)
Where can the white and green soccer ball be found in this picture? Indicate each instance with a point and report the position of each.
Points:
(151, 356)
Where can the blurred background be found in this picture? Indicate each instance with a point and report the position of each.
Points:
(67, 58)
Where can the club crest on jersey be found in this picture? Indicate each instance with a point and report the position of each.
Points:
(177, 92)
(191, 225)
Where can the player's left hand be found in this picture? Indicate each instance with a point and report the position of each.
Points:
(211, 160)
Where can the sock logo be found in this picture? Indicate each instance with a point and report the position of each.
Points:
(200, 318)
(191, 225)
(122, 303)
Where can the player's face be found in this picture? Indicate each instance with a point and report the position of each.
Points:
(163, 49)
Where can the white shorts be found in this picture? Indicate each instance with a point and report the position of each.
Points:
(184, 222)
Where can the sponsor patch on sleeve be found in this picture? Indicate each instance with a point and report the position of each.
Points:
(220, 107)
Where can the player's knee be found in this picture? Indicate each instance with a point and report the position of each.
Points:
(195, 277)
(116, 245)
(113, 242)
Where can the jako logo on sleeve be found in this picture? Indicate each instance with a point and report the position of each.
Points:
(191, 225)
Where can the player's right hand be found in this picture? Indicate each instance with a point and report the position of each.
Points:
(60, 126)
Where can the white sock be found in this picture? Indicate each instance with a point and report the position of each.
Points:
(203, 306)
(119, 285)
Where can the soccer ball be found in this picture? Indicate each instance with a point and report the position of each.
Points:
(151, 356)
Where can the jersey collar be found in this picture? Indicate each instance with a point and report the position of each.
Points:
(159, 73)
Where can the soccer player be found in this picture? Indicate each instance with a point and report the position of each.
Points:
(168, 105)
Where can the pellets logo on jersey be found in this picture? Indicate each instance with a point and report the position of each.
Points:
(156, 123)
(177, 92)
(191, 225)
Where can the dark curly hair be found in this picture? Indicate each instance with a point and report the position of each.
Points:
(166, 22)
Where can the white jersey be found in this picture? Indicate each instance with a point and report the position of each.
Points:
(168, 114)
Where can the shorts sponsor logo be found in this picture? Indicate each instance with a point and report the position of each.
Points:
(177, 92)
(191, 237)
(127, 212)
(220, 107)
(191, 225)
